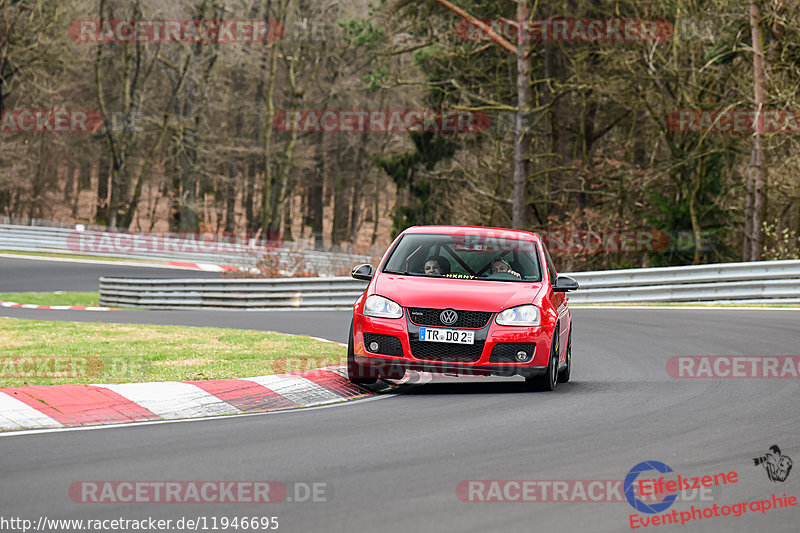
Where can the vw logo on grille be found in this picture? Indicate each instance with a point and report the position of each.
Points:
(448, 317)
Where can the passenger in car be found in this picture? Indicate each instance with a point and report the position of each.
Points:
(501, 265)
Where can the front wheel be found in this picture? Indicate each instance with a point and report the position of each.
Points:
(547, 382)
(356, 373)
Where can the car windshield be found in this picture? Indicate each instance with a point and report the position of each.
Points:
(466, 257)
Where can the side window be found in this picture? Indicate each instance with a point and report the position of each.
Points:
(550, 267)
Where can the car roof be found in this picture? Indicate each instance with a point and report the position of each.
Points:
(482, 231)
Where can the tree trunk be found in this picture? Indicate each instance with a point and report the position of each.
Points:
(377, 207)
(287, 220)
(362, 170)
(693, 216)
(553, 129)
(69, 181)
(758, 164)
(189, 221)
(747, 245)
(266, 199)
(187, 160)
(317, 193)
(230, 198)
(288, 154)
(4, 45)
(341, 196)
(103, 177)
(520, 196)
(5, 202)
(249, 197)
(85, 175)
(355, 207)
(37, 190)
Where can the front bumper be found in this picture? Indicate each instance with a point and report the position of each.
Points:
(488, 356)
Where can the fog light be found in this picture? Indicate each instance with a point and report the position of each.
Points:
(522, 355)
(373, 346)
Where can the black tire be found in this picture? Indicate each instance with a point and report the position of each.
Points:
(548, 381)
(563, 376)
(356, 373)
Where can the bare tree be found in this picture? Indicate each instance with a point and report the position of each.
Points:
(756, 186)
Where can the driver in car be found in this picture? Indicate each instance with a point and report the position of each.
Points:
(433, 268)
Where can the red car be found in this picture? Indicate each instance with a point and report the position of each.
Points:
(465, 301)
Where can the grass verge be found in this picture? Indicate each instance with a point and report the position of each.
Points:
(83, 299)
(34, 352)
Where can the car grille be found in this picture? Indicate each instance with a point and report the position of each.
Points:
(388, 345)
(506, 352)
(466, 319)
(445, 351)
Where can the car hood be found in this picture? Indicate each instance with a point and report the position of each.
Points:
(441, 293)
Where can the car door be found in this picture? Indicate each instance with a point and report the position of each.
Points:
(558, 300)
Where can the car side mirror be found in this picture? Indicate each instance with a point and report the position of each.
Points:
(565, 284)
(363, 272)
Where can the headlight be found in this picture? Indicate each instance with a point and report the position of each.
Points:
(524, 315)
(381, 307)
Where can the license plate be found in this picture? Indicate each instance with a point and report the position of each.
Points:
(454, 336)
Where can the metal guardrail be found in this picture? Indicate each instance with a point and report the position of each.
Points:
(291, 293)
(769, 281)
(123, 245)
(757, 282)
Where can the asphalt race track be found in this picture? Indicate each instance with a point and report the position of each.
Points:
(25, 275)
(393, 464)
(329, 325)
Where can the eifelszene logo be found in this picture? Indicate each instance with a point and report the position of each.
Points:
(777, 465)
(630, 484)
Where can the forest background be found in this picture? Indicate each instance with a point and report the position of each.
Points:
(582, 142)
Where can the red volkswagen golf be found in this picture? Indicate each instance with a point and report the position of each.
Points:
(465, 301)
